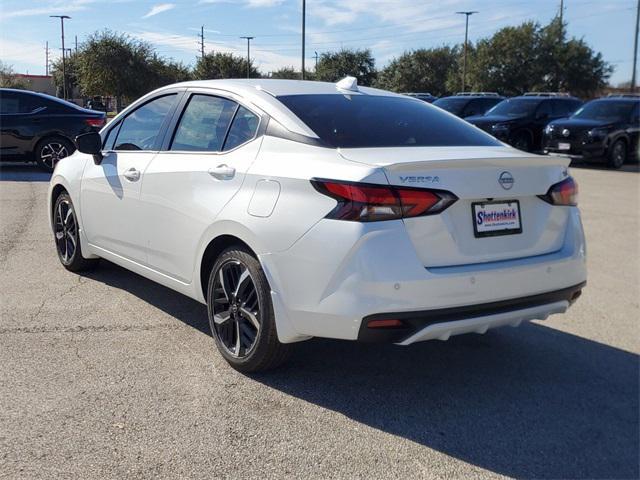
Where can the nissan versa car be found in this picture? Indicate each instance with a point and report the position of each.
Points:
(469, 104)
(519, 121)
(41, 128)
(298, 209)
(607, 129)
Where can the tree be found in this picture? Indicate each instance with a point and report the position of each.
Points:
(424, 70)
(218, 65)
(533, 58)
(286, 73)
(356, 63)
(117, 65)
(8, 79)
(71, 74)
(169, 71)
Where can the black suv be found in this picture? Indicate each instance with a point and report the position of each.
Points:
(520, 121)
(606, 128)
(469, 104)
(35, 126)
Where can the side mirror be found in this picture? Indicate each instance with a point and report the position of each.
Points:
(90, 143)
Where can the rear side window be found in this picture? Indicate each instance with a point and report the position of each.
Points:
(204, 124)
(243, 129)
(361, 121)
(140, 129)
(13, 102)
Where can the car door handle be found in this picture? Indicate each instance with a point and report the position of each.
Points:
(132, 175)
(222, 172)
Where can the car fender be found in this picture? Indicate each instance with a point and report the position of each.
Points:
(285, 327)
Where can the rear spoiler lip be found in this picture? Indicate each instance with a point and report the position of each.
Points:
(538, 161)
(434, 160)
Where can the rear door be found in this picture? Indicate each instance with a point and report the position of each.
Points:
(110, 192)
(200, 168)
(18, 123)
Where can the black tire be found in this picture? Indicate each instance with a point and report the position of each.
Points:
(51, 150)
(522, 141)
(241, 313)
(617, 154)
(66, 236)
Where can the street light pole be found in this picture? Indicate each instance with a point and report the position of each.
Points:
(635, 50)
(304, 14)
(248, 53)
(466, 36)
(64, 72)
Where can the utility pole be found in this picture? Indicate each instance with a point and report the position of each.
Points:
(635, 50)
(316, 57)
(46, 53)
(561, 10)
(304, 14)
(248, 54)
(76, 44)
(64, 71)
(466, 36)
(202, 41)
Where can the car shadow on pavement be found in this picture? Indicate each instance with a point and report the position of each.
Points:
(531, 402)
(626, 168)
(22, 172)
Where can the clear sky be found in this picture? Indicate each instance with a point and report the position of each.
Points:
(387, 27)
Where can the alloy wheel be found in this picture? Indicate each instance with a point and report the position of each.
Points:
(236, 309)
(53, 152)
(66, 231)
(618, 154)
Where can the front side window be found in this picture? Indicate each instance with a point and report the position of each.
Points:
(544, 110)
(367, 121)
(140, 129)
(204, 124)
(243, 129)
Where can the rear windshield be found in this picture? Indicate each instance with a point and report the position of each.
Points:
(361, 121)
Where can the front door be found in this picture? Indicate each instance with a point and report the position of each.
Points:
(110, 192)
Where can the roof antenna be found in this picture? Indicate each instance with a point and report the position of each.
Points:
(348, 83)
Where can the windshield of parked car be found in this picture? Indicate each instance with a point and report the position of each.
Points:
(605, 110)
(361, 121)
(515, 107)
(453, 105)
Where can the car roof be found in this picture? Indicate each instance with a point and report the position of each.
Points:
(473, 97)
(42, 95)
(617, 99)
(263, 92)
(542, 97)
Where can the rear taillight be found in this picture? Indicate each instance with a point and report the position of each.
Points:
(95, 122)
(363, 202)
(562, 193)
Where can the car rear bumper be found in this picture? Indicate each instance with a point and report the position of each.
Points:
(578, 149)
(340, 274)
(442, 323)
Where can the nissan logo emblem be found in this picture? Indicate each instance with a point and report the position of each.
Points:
(506, 180)
(566, 133)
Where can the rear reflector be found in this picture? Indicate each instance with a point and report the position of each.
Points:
(95, 122)
(562, 193)
(364, 202)
(391, 323)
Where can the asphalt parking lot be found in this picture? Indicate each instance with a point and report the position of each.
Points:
(108, 375)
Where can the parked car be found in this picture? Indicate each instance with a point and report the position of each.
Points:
(607, 128)
(309, 209)
(520, 121)
(469, 104)
(41, 128)
(426, 97)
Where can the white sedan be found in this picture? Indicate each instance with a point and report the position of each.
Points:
(300, 209)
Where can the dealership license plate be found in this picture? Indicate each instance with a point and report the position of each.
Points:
(496, 218)
(564, 146)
